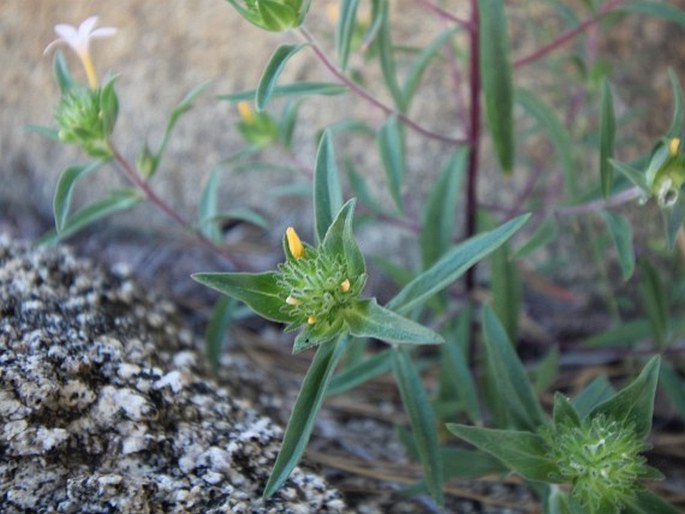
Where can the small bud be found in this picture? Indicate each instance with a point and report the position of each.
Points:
(674, 146)
(294, 243)
(311, 320)
(246, 113)
(345, 285)
(292, 301)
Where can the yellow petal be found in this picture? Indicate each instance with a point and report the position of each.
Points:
(311, 320)
(246, 112)
(674, 146)
(345, 285)
(292, 301)
(294, 243)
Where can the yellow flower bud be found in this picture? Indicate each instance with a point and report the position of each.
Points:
(246, 113)
(345, 285)
(294, 243)
(311, 320)
(674, 146)
(292, 301)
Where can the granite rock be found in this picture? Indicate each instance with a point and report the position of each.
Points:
(103, 407)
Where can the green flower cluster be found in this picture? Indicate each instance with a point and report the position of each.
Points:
(273, 15)
(601, 459)
(86, 117)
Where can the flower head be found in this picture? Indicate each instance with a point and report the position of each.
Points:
(78, 38)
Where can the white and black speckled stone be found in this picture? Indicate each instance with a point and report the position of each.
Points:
(101, 410)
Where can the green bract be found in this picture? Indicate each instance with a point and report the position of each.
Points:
(273, 15)
(317, 289)
(86, 117)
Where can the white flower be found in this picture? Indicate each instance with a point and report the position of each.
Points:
(79, 41)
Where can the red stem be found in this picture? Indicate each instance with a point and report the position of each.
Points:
(473, 136)
(354, 87)
(567, 36)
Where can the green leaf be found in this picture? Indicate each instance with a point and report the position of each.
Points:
(340, 240)
(658, 9)
(635, 402)
(272, 72)
(276, 15)
(301, 422)
(323, 331)
(359, 187)
(65, 188)
(345, 29)
(677, 128)
(523, 452)
(518, 401)
(654, 301)
(368, 319)
(622, 236)
(183, 107)
(258, 290)
(440, 211)
(419, 67)
(674, 387)
(217, 326)
(109, 106)
(496, 77)
(391, 145)
(564, 412)
(287, 122)
(422, 419)
(646, 502)
(635, 176)
(386, 51)
(452, 265)
(626, 334)
(65, 80)
(49, 132)
(544, 234)
(598, 391)
(361, 372)
(290, 90)
(207, 210)
(327, 191)
(456, 379)
(546, 372)
(118, 200)
(555, 131)
(460, 463)
(674, 217)
(607, 136)
(506, 289)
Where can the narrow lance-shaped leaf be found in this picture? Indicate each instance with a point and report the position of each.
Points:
(655, 301)
(117, 201)
(635, 176)
(290, 91)
(506, 288)
(607, 135)
(554, 130)
(543, 235)
(496, 77)
(301, 422)
(440, 213)
(386, 53)
(217, 326)
(452, 265)
(327, 191)
(658, 9)
(345, 30)
(368, 319)
(622, 236)
(65, 188)
(523, 452)
(509, 376)
(272, 72)
(64, 77)
(258, 290)
(339, 239)
(634, 404)
(391, 147)
(677, 128)
(674, 387)
(207, 210)
(422, 419)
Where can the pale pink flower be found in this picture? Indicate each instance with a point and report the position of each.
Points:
(78, 38)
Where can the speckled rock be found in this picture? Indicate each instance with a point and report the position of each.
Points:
(102, 408)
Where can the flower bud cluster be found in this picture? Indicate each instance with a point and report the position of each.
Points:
(315, 283)
(600, 458)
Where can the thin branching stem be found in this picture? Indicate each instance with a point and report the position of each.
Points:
(446, 15)
(567, 36)
(362, 93)
(143, 186)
